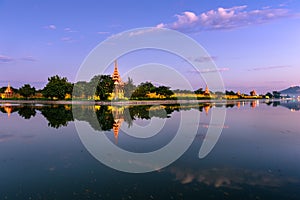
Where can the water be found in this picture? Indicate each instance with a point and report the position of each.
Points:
(256, 157)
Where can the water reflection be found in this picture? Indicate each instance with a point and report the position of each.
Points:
(111, 117)
(256, 158)
(231, 177)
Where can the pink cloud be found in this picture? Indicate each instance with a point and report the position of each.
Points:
(5, 59)
(225, 18)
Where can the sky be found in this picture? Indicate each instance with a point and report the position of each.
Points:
(254, 44)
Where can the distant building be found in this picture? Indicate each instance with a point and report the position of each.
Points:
(8, 93)
(119, 84)
(118, 113)
(253, 93)
(206, 92)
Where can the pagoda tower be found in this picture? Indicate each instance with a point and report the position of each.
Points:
(118, 83)
(206, 92)
(8, 91)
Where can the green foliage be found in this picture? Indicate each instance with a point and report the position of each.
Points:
(230, 92)
(276, 94)
(26, 91)
(79, 89)
(164, 90)
(57, 87)
(104, 87)
(27, 112)
(143, 89)
(269, 95)
(129, 88)
(199, 91)
(57, 116)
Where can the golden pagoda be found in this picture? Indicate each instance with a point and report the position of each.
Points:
(206, 108)
(118, 113)
(116, 128)
(8, 92)
(206, 92)
(119, 85)
(8, 109)
(253, 93)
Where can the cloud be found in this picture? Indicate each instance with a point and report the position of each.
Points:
(203, 59)
(143, 31)
(69, 30)
(66, 39)
(230, 177)
(269, 68)
(209, 70)
(29, 58)
(6, 59)
(225, 18)
(51, 27)
(103, 32)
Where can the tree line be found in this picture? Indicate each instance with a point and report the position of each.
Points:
(102, 86)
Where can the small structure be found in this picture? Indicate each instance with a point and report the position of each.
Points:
(253, 93)
(8, 93)
(206, 92)
(118, 114)
(118, 83)
(206, 108)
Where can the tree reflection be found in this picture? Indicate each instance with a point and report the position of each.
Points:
(106, 118)
(57, 115)
(27, 112)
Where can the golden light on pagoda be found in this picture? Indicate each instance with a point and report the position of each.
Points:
(8, 109)
(119, 85)
(206, 109)
(206, 92)
(8, 91)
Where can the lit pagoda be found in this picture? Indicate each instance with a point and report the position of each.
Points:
(118, 83)
(8, 91)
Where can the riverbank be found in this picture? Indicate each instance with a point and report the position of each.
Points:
(131, 102)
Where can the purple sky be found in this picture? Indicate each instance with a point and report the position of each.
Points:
(255, 44)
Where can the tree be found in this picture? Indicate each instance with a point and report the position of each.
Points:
(57, 87)
(129, 88)
(26, 91)
(57, 116)
(27, 112)
(269, 95)
(165, 91)
(230, 92)
(104, 87)
(143, 89)
(276, 94)
(199, 91)
(79, 89)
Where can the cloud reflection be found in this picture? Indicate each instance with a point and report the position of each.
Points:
(230, 177)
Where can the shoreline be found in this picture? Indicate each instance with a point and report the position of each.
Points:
(132, 102)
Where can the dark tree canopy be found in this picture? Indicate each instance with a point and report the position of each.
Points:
(104, 87)
(27, 112)
(164, 90)
(143, 89)
(129, 88)
(57, 116)
(79, 89)
(57, 87)
(26, 90)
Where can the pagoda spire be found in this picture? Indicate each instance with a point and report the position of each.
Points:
(116, 65)
(116, 76)
(206, 92)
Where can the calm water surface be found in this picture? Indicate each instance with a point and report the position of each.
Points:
(256, 157)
